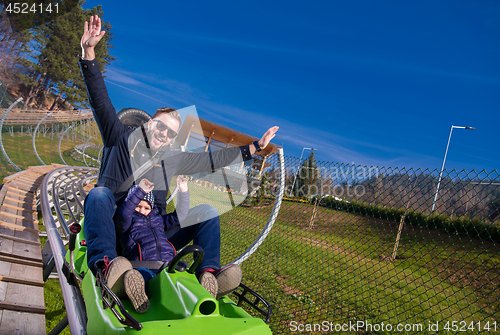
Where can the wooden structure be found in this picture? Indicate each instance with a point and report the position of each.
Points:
(22, 308)
(16, 117)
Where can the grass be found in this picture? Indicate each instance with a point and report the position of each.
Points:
(19, 149)
(335, 270)
(54, 303)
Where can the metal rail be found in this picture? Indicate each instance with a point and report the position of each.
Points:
(1, 127)
(34, 136)
(83, 151)
(60, 140)
(272, 217)
(55, 203)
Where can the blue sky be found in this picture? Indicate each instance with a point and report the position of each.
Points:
(365, 82)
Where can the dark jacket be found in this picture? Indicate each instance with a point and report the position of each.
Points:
(143, 237)
(116, 165)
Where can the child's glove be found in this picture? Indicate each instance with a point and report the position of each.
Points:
(182, 183)
(146, 185)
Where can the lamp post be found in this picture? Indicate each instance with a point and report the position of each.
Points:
(296, 173)
(444, 160)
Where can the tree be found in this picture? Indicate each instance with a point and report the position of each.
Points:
(308, 176)
(13, 43)
(48, 64)
(62, 61)
(263, 189)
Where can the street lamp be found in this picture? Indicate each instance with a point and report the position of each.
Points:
(296, 173)
(444, 160)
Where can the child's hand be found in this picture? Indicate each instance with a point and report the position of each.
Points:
(182, 183)
(146, 185)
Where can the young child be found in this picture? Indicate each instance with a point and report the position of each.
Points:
(141, 231)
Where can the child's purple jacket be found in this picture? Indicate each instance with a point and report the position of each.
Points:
(143, 237)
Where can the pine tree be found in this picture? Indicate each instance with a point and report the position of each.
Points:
(308, 176)
(14, 43)
(48, 61)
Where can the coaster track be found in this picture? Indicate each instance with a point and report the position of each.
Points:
(62, 195)
(35, 119)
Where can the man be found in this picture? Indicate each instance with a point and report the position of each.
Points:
(126, 151)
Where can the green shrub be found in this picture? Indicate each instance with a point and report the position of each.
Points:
(461, 225)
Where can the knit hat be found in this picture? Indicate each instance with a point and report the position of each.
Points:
(149, 196)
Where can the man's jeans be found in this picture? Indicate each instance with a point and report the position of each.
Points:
(100, 232)
(205, 234)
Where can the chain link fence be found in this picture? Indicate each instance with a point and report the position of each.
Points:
(361, 250)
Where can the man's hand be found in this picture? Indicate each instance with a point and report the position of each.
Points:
(146, 185)
(182, 183)
(265, 139)
(91, 36)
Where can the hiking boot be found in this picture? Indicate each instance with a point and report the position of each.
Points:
(208, 281)
(228, 279)
(113, 274)
(134, 286)
(222, 281)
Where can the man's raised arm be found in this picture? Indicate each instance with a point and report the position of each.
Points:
(265, 139)
(104, 112)
(191, 163)
(92, 34)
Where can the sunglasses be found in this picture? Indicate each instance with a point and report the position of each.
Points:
(162, 127)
